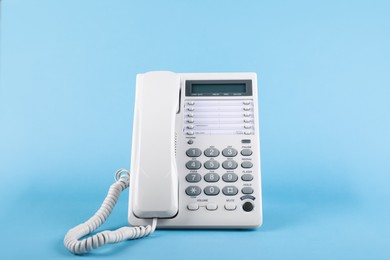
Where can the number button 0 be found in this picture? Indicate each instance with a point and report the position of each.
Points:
(230, 177)
(211, 177)
(229, 164)
(211, 165)
(193, 165)
(193, 152)
(229, 152)
(193, 177)
(211, 190)
(211, 152)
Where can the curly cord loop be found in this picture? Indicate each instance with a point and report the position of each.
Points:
(78, 246)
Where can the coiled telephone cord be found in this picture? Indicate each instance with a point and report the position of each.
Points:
(76, 245)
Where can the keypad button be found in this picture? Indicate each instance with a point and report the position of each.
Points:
(229, 177)
(247, 177)
(230, 206)
(211, 190)
(193, 206)
(193, 165)
(211, 165)
(247, 190)
(193, 152)
(248, 206)
(211, 152)
(229, 152)
(246, 164)
(193, 177)
(211, 177)
(229, 164)
(193, 191)
(230, 190)
(246, 152)
(211, 206)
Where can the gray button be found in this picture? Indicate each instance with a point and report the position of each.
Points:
(229, 177)
(246, 152)
(211, 165)
(229, 164)
(247, 190)
(230, 190)
(229, 152)
(211, 190)
(193, 191)
(247, 177)
(193, 177)
(211, 152)
(246, 164)
(193, 165)
(211, 177)
(193, 152)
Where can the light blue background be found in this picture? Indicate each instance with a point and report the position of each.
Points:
(66, 105)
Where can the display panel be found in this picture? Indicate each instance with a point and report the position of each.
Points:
(218, 87)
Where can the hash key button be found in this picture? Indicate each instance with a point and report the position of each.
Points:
(230, 190)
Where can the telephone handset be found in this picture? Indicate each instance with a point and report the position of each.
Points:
(195, 158)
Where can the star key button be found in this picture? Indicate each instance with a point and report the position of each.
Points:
(193, 191)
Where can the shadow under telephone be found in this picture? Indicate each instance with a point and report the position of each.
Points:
(195, 159)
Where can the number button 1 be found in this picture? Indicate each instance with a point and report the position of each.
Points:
(193, 152)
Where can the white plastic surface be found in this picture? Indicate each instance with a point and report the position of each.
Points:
(154, 180)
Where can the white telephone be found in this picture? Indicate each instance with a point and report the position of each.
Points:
(195, 158)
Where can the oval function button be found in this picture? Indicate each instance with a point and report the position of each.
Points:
(211, 152)
(247, 177)
(247, 190)
(211, 165)
(193, 152)
(229, 177)
(230, 206)
(193, 177)
(246, 152)
(229, 164)
(211, 190)
(193, 206)
(229, 152)
(211, 177)
(193, 191)
(246, 164)
(230, 190)
(211, 206)
(193, 165)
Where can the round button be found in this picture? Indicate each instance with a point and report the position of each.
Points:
(190, 141)
(247, 206)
